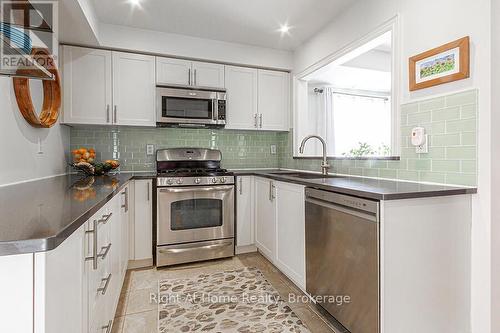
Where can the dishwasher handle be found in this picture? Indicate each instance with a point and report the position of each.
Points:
(346, 210)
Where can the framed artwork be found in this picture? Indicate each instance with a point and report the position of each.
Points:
(447, 63)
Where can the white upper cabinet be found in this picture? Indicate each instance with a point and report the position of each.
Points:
(241, 85)
(173, 71)
(108, 88)
(133, 89)
(86, 86)
(208, 75)
(273, 100)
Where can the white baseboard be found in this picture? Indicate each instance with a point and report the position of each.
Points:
(245, 249)
(133, 264)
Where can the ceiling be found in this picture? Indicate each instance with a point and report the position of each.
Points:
(254, 22)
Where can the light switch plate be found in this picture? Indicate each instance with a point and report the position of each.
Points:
(273, 149)
(150, 149)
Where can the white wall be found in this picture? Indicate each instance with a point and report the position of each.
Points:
(424, 25)
(122, 37)
(19, 158)
(495, 167)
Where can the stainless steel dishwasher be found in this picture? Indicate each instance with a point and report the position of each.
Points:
(342, 258)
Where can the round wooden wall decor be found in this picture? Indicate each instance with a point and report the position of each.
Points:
(51, 94)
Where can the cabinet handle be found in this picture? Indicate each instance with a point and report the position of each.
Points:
(106, 280)
(104, 251)
(107, 113)
(105, 218)
(115, 115)
(147, 190)
(189, 76)
(125, 204)
(260, 120)
(108, 326)
(273, 190)
(241, 185)
(270, 191)
(255, 120)
(93, 257)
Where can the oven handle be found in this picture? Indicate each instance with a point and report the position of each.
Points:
(197, 189)
(205, 247)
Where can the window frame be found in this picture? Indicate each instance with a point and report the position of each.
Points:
(392, 26)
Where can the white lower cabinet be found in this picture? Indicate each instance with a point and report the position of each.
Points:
(265, 217)
(290, 232)
(245, 239)
(278, 217)
(143, 236)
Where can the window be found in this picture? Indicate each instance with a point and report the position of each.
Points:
(349, 102)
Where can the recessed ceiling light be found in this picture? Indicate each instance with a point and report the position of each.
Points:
(135, 3)
(284, 28)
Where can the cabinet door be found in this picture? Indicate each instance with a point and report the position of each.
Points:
(241, 85)
(208, 75)
(143, 227)
(245, 211)
(265, 221)
(273, 100)
(173, 71)
(86, 86)
(133, 89)
(16, 290)
(290, 231)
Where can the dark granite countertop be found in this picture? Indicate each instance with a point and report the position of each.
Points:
(369, 188)
(39, 215)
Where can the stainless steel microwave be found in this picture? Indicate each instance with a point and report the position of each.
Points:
(190, 108)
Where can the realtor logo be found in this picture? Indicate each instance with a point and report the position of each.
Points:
(27, 26)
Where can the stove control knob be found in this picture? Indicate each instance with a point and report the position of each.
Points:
(214, 180)
(197, 181)
(170, 181)
(179, 181)
(223, 180)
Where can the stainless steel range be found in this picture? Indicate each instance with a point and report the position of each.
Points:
(195, 206)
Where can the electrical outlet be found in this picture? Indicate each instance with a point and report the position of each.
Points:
(273, 149)
(424, 148)
(40, 147)
(150, 149)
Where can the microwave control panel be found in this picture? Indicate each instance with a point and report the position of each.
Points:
(221, 114)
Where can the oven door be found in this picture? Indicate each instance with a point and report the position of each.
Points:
(184, 106)
(195, 213)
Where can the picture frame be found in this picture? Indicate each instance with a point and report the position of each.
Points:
(446, 63)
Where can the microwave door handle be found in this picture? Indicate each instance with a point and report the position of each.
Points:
(214, 109)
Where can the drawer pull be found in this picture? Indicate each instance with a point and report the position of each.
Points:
(105, 218)
(104, 252)
(106, 280)
(93, 257)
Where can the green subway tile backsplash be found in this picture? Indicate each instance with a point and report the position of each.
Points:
(450, 121)
(240, 149)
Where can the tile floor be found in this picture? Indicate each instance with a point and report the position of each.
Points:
(136, 314)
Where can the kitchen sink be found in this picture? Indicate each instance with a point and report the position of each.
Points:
(303, 175)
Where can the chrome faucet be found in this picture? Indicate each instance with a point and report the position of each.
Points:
(324, 165)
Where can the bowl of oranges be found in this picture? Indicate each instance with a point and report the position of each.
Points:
(84, 160)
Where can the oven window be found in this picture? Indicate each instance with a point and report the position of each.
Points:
(196, 213)
(174, 107)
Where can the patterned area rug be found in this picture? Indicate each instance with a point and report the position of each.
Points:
(232, 301)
